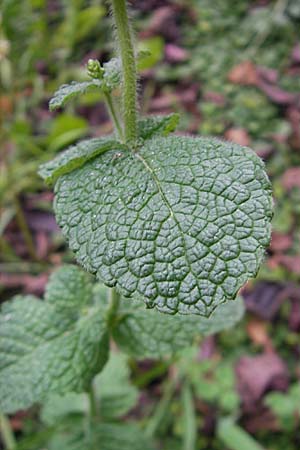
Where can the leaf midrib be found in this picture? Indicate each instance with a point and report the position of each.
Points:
(163, 195)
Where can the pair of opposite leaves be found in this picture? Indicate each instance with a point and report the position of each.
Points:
(58, 345)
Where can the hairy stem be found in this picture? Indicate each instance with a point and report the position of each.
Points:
(126, 50)
(113, 114)
(7, 434)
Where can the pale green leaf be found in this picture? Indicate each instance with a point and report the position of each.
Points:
(46, 349)
(67, 92)
(157, 125)
(58, 407)
(182, 222)
(67, 287)
(104, 436)
(150, 52)
(113, 390)
(234, 437)
(75, 156)
(151, 334)
(113, 387)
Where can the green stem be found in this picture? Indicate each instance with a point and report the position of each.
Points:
(7, 434)
(124, 37)
(114, 302)
(189, 417)
(162, 409)
(114, 117)
(94, 407)
(22, 224)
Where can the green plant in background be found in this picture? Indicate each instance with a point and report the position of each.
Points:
(176, 223)
(53, 349)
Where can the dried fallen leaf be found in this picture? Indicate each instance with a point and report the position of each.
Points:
(244, 73)
(175, 54)
(257, 331)
(256, 374)
(291, 178)
(294, 319)
(265, 299)
(290, 262)
(238, 135)
(280, 242)
(163, 23)
(278, 95)
(296, 54)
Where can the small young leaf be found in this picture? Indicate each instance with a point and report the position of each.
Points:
(157, 125)
(151, 334)
(112, 74)
(67, 92)
(46, 349)
(75, 156)
(182, 222)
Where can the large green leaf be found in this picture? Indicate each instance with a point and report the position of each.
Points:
(49, 347)
(182, 222)
(75, 156)
(151, 334)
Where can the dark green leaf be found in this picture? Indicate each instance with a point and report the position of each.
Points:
(75, 156)
(151, 334)
(182, 223)
(46, 349)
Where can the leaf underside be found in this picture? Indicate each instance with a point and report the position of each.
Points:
(151, 334)
(49, 347)
(182, 223)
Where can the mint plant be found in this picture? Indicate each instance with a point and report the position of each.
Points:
(178, 224)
